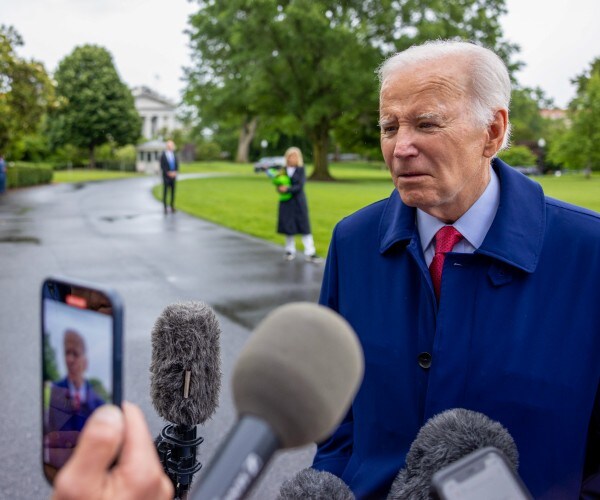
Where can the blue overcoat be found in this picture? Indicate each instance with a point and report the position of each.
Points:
(62, 416)
(516, 337)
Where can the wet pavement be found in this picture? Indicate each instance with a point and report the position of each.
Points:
(115, 233)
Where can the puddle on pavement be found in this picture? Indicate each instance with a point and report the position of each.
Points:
(115, 218)
(249, 313)
(20, 239)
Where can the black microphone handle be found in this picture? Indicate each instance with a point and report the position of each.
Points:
(239, 461)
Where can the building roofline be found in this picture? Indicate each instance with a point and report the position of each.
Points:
(144, 91)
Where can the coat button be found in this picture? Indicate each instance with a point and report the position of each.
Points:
(424, 360)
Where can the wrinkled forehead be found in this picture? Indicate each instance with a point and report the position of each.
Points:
(74, 341)
(444, 78)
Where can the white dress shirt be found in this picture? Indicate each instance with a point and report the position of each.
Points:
(473, 225)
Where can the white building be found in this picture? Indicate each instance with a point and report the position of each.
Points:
(157, 112)
(148, 156)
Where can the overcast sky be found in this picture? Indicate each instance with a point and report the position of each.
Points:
(558, 38)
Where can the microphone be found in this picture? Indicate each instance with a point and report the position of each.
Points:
(185, 379)
(292, 385)
(315, 485)
(444, 439)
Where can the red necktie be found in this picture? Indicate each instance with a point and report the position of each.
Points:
(445, 239)
(76, 401)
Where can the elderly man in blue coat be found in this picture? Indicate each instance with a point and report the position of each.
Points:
(468, 287)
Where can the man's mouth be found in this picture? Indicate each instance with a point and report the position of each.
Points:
(408, 175)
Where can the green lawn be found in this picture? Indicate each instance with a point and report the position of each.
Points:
(574, 188)
(247, 202)
(86, 175)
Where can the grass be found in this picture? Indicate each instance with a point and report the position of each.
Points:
(574, 188)
(247, 202)
(87, 175)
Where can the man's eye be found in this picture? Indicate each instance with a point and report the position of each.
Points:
(427, 125)
(389, 129)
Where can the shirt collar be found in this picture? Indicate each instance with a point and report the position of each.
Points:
(473, 224)
(73, 390)
(517, 231)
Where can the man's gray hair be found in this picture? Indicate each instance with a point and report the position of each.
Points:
(490, 81)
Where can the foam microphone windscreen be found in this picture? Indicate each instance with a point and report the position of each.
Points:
(315, 485)
(299, 372)
(444, 439)
(185, 342)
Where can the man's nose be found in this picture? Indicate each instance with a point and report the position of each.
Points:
(404, 146)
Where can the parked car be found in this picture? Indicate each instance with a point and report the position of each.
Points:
(528, 170)
(269, 162)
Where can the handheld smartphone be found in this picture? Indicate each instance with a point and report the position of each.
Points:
(82, 328)
(485, 473)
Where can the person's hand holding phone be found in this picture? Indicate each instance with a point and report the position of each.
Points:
(111, 436)
(82, 326)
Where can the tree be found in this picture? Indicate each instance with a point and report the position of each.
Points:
(50, 365)
(26, 91)
(96, 107)
(577, 147)
(518, 156)
(314, 61)
(527, 123)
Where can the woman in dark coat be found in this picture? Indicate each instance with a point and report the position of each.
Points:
(293, 213)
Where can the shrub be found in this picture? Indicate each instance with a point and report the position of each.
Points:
(126, 153)
(28, 174)
(123, 166)
(207, 150)
(518, 156)
(69, 156)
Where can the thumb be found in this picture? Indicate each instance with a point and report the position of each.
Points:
(96, 450)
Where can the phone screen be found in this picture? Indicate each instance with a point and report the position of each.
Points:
(482, 474)
(81, 370)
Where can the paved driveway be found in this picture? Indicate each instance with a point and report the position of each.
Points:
(115, 233)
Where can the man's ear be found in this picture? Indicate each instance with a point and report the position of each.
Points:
(495, 133)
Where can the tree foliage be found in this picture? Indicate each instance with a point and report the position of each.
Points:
(26, 91)
(311, 63)
(50, 364)
(96, 107)
(527, 123)
(518, 156)
(577, 147)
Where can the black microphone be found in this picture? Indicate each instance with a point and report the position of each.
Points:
(315, 485)
(444, 439)
(185, 379)
(292, 385)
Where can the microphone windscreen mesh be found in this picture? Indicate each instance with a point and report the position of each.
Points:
(186, 336)
(444, 439)
(315, 485)
(299, 371)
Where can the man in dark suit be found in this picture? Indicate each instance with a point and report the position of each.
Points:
(73, 399)
(169, 167)
(467, 287)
